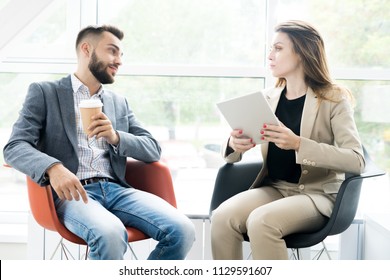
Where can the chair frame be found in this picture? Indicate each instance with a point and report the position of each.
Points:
(235, 178)
(140, 175)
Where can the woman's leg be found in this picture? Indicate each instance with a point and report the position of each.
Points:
(268, 224)
(228, 221)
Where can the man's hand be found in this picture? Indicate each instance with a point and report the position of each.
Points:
(101, 126)
(66, 184)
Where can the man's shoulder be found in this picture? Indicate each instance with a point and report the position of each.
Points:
(65, 81)
(114, 96)
(54, 84)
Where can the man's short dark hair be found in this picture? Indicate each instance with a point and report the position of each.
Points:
(97, 31)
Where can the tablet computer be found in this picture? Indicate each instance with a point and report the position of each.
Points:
(248, 113)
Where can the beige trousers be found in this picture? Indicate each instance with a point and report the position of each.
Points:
(266, 214)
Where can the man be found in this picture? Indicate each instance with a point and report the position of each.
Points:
(87, 172)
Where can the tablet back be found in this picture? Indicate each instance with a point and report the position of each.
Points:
(249, 113)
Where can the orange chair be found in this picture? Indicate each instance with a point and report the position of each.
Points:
(150, 177)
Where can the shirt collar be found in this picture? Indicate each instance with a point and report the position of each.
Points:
(77, 85)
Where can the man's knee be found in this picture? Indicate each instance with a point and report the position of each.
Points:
(185, 229)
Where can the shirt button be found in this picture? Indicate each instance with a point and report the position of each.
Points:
(304, 172)
(304, 161)
(301, 187)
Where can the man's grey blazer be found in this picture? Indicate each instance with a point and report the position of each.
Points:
(45, 132)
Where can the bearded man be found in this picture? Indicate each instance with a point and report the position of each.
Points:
(87, 172)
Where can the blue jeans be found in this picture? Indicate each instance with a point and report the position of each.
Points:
(101, 222)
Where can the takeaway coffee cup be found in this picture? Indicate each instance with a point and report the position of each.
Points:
(88, 108)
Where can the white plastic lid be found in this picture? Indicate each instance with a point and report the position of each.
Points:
(90, 103)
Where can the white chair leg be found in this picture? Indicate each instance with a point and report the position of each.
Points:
(56, 249)
(63, 248)
(132, 251)
(320, 252)
(294, 254)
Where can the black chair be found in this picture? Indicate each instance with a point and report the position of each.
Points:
(235, 178)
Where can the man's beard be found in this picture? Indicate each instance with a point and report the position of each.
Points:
(98, 69)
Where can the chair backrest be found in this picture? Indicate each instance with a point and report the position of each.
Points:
(232, 179)
(43, 210)
(151, 177)
(344, 211)
(342, 216)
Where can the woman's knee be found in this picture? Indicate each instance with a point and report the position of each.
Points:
(262, 223)
(219, 220)
(227, 211)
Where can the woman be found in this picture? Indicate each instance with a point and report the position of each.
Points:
(305, 158)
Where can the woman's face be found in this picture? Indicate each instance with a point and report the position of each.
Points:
(283, 61)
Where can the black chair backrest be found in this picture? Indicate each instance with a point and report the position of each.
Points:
(233, 179)
(344, 211)
(342, 216)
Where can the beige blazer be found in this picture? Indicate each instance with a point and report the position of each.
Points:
(330, 146)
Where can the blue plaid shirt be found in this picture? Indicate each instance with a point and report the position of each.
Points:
(93, 154)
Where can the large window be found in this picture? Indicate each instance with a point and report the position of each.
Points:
(183, 56)
(188, 32)
(356, 33)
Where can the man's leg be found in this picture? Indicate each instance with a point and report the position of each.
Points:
(104, 233)
(155, 217)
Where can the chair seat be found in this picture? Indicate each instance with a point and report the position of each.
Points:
(135, 234)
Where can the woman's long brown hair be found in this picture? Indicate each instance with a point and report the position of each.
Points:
(310, 47)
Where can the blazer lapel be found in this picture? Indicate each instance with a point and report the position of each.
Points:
(65, 97)
(273, 97)
(108, 107)
(310, 110)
